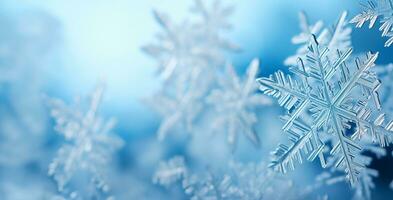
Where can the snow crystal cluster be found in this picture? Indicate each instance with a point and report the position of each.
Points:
(332, 106)
(333, 101)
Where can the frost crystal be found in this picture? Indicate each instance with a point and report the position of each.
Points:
(235, 102)
(338, 100)
(374, 9)
(88, 148)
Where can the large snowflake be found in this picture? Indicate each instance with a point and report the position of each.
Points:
(338, 37)
(374, 9)
(340, 97)
(88, 148)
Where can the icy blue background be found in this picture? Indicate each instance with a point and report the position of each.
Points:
(101, 40)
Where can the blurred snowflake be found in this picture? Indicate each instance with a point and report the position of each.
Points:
(88, 148)
(235, 103)
(192, 44)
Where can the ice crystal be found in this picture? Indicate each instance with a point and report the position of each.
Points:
(374, 10)
(338, 37)
(340, 97)
(88, 147)
(235, 102)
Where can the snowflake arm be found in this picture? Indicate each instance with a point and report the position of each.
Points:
(304, 37)
(339, 35)
(373, 10)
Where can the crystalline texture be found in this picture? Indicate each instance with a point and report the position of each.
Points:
(374, 10)
(334, 103)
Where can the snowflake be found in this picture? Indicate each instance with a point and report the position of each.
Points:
(234, 104)
(374, 9)
(338, 37)
(338, 99)
(88, 148)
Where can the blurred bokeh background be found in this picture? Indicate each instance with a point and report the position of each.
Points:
(63, 48)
